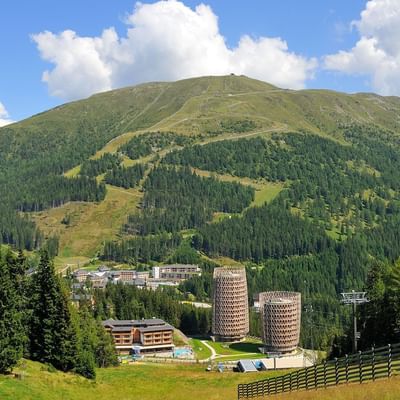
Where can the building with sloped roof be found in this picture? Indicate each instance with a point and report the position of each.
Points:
(144, 335)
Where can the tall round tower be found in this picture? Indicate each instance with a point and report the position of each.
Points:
(230, 321)
(281, 316)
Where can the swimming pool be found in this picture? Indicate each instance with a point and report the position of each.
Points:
(183, 352)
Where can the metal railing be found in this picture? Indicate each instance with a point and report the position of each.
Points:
(364, 366)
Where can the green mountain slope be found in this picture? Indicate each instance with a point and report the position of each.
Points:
(301, 186)
(38, 156)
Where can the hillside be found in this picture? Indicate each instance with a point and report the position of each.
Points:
(303, 187)
(173, 382)
(36, 152)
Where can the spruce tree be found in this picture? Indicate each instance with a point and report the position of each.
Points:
(105, 353)
(12, 333)
(53, 337)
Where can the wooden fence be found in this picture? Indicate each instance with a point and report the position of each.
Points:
(364, 366)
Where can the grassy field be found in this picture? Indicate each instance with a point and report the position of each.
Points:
(379, 390)
(202, 352)
(139, 381)
(225, 351)
(235, 349)
(266, 193)
(90, 224)
(167, 382)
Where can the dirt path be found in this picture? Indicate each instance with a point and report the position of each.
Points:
(213, 352)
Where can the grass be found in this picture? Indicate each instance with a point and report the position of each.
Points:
(235, 349)
(91, 224)
(266, 193)
(62, 263)
(226, 351)
(222, 260)
(168, 382)
(179, 339)
(138, 381)
(379, 390)
(202, 352)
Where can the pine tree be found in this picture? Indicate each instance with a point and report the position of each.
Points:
(12, 333)
(204, 322)
(53, 337)
(105, 349)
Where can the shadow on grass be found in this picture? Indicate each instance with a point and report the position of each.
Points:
(246, 347)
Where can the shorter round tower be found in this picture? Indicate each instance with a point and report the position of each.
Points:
(230, 321)
(280, 316)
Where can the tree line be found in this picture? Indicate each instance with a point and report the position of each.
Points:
(152, 142)
(269, 231)
(347, 186)
(121, 301)
(177, 198)
(37, 321)
(95, 167)
(126, 177)
(142, 249)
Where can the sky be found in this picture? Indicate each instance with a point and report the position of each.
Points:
(52, 52)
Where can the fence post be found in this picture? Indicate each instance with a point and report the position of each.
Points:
(336, 371)
(315, 376)
(347, 367)
(307, 378)
(373, 363)
(268, 386)
(360, 367)
(291, 379)
(389, 362)
(325, 375)
(298, 380)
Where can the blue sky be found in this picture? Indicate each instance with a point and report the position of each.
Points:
(136, 51)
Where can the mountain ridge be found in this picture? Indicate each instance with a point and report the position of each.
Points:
(163, 85)
(53, 144)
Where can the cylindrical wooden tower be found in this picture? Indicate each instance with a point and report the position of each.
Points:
(230, 320)
(281, 316)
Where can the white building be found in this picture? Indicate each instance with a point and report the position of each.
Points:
(176, 272)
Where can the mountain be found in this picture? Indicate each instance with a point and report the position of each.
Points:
(301, 186)
(36, 152)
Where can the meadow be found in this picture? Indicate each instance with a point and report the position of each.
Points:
(166, 382)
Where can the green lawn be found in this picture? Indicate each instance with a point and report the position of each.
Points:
(235, 349)
(226, 351)
(137, 381)
(202, 352)
(167, 382)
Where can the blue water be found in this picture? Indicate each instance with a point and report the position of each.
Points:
(182, 352)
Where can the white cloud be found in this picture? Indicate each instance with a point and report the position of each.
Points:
(377, 52)
(4, 118)
(164, 41)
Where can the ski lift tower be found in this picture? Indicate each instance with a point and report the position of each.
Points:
(354, 298)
